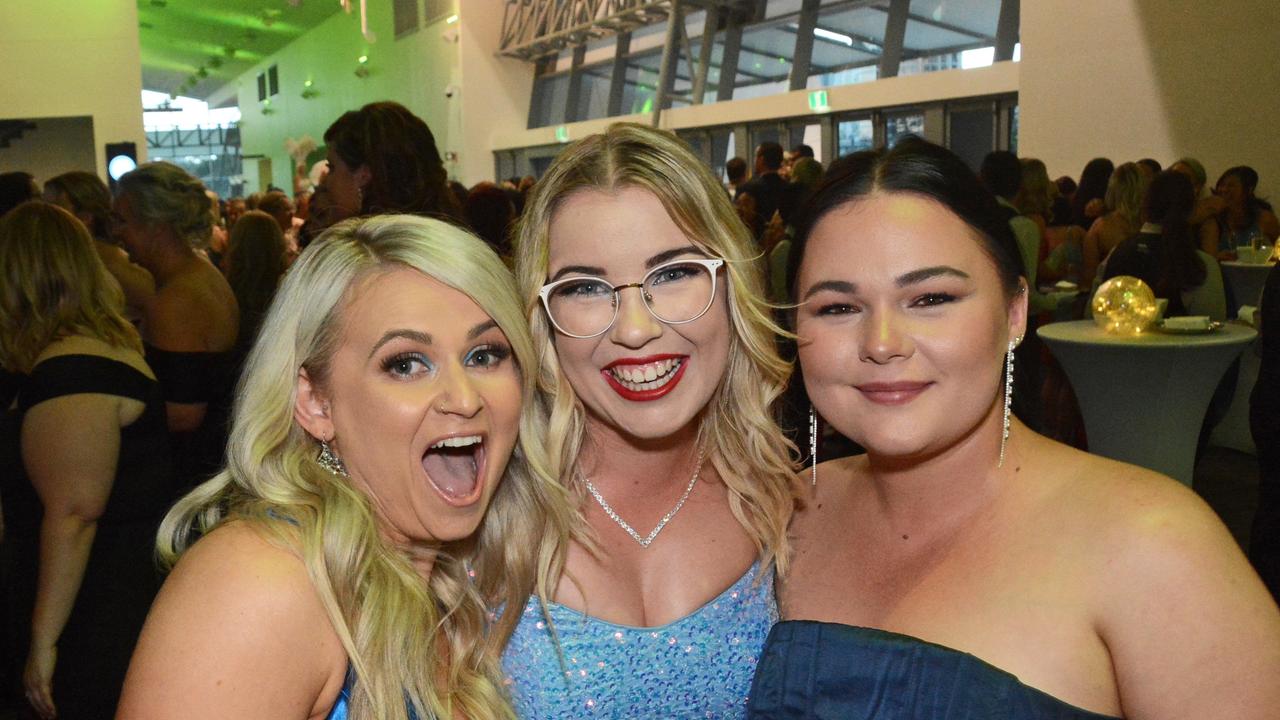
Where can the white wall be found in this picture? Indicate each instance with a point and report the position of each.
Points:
(71, 58)
(494, 90)
(55, 146)
(1128, 79)
(413, 71)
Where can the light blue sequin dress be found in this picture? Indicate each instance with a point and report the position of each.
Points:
(699, 666)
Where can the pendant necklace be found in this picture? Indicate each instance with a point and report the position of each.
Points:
(644, 541)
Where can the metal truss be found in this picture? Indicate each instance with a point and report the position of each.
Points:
(532, 29)
(228, 138)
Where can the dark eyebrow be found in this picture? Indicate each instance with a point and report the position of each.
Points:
(840, 286)
(481, 328)
(390, 335)
(671, 254)
(581, 269)
(928, 273)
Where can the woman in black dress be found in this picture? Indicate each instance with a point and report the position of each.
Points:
(91, 454)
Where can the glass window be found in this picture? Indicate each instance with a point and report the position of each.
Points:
(854, 136)
(971, 133)
(900, 125)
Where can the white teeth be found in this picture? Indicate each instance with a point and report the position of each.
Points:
(457, 441)
(646, 377)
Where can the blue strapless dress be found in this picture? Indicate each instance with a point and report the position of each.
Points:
(698, 666)
(815, 670)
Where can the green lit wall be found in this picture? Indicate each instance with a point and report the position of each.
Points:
(413, 71)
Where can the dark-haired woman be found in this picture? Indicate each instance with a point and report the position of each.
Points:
(382, 160)
(1246, 219)
(256, 259)
(1164, 253)
(84, 195)
(190, 326)
(966, 567)
(1088, 202)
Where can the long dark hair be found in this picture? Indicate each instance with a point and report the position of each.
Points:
(406, 173)
(255, 265)
(1093, 185)
(1170, 199)
(1248, 178)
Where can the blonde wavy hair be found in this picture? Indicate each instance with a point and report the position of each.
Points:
(738, 432)
(1125, 193)
(53, 284)
(429, 646)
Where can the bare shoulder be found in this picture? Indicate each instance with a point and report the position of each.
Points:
(1190, 628)
(828, 493)
(239, 629)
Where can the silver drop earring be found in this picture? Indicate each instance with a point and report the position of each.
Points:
(813, 444)
(328, 460)
(1008, 395)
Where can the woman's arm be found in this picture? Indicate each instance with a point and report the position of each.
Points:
(237, 631)
(1192, 631)
(1091, 248)
(69, 447)
(1209, 236)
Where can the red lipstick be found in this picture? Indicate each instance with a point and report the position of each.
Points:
(645, 395)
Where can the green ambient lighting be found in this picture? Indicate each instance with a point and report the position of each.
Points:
(562, 134)
(818, 101)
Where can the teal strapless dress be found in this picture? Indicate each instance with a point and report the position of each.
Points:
(699, 666)
(815, 670)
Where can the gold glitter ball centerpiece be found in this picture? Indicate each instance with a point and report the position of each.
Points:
(1124, 305)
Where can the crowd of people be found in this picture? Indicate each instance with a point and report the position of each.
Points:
(628, 440)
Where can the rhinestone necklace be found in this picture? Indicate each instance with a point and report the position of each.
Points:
(644, 541)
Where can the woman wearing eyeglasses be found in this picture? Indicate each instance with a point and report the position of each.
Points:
(657, 376)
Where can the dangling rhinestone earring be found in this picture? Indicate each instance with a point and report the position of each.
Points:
(328, 460)
(813, 444)
(1008, 395)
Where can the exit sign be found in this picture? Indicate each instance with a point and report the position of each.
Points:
(818, 101)
(562, 134)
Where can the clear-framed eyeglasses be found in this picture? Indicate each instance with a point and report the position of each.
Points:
(675, 293)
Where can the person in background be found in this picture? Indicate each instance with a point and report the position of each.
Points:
(86, 466)
(965, 566)
(235, 208)
(190, 327)
(257, 256)
(1126, 191)
(736, 173)
(386, 481)
(322, 213)
(1246, 220)
(15, 189)
(1001, 175)
(1164, 254)
(806, 175)
(280, 208)
(216, 248)
(1087, 202)
(84, 195)
(1060, 249)
(1150, 167)
(1204, 219)
(383, 160)
(794, 155)
(658, 373)
(490, 214)
(766, 185)
(1264, 423)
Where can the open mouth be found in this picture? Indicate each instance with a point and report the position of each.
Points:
(647, 377)
(453, 466)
